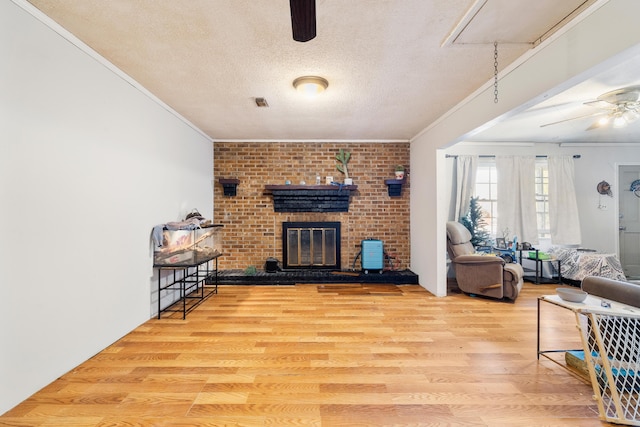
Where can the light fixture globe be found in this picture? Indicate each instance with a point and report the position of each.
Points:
(310, 85)
(631, 115)
(619, 120)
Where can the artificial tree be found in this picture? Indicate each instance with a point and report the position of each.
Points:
(476, 224)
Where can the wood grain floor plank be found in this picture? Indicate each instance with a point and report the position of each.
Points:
(327, 355)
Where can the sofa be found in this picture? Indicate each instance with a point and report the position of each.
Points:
(615, 290)
(580, 263)
(611, 355)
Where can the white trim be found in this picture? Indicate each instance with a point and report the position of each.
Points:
(463, 23)
(381, 141)
(468, 143)
(600, 144)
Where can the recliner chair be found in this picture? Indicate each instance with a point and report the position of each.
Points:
(483, 275)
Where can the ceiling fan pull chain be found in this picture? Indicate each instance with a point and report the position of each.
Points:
(495, 72)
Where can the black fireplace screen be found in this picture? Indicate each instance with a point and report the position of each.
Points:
(311, 245)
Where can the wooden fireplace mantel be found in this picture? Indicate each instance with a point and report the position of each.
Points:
(310, 198)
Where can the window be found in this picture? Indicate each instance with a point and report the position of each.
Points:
(542, 198)
(487, 193)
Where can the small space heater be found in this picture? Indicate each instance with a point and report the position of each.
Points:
(372, 255)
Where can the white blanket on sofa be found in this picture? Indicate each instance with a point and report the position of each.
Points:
(577, 264)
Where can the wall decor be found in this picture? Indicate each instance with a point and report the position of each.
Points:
(604, 188)
(635, 187)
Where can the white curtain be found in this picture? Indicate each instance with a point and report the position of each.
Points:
(466, 167)
(517, 198)
(563, 207)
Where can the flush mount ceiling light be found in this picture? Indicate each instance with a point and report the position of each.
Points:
(310, 85)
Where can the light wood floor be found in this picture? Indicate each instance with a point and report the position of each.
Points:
(328, 355)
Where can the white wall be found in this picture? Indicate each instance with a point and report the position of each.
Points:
(563, 60)
(88, 165)
(600, 226)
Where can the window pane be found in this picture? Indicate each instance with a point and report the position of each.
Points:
(542, 197)
(483, 191)
(485, 207)
(482, 174)
(486, 191)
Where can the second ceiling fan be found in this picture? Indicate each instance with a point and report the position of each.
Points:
(618, 107)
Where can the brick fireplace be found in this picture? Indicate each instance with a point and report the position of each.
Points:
(311, 245)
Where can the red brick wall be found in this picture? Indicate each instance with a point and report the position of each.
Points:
(252, 230)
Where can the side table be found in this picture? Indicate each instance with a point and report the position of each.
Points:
(538, 271)
(559, 302)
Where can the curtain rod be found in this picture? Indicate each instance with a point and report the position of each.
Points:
(543, 156)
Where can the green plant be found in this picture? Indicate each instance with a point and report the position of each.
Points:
(399, 168)
(250, 270)
(476, 224)
(343, 158)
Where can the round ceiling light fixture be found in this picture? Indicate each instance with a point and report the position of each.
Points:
(310, 85)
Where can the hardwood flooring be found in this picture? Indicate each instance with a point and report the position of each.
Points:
(328, 355)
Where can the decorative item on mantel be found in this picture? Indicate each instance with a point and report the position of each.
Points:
(229, 186)
(343, 158)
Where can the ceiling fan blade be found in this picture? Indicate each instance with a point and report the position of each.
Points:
(573, 118)
(597, 125)
(622, 96)
(303, 19)
(601, 104)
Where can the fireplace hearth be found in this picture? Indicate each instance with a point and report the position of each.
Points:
(311, 245)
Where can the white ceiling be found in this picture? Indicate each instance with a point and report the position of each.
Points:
(536, 123)
(393, 66)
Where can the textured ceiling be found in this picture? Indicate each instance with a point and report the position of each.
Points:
(390, 68)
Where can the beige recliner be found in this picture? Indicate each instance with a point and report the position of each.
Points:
(483, 275)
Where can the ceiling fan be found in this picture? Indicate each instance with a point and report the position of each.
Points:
(303, 19)
(618, 108)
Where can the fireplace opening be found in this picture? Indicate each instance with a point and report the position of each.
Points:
(311, 245)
